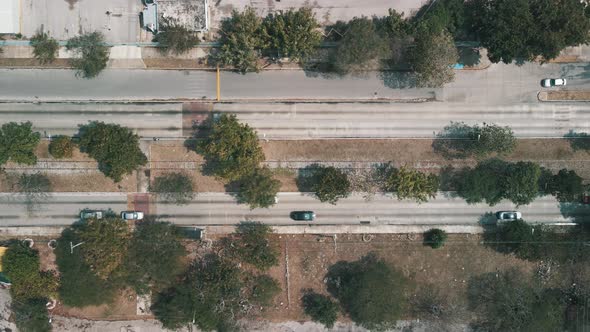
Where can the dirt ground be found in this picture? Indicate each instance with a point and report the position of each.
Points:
(565, 95)
(447, 269)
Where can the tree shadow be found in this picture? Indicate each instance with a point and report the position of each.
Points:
(455, 141)
(469, 56)
(306, 178)
(449, 178)
(579, 213)
(578, 141)
(398, 79)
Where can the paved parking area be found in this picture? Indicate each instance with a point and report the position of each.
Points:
(326, 11)
(64, 19)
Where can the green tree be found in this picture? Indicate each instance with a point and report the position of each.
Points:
(259, 189)
(21, 265)
(105, 244)
(209, 294)
(360, 48)
(330, 184)
(176, 39)
(231, 149)
(493, 180)
(252, 245)
(459, 140)
(320, 308)
(61, 147)
(31, 315)
(482, 183)
(412, 184)
(18, 143)
(525, 29)
(491, 138)
(91, 54)
(293, 33)
(174, 188)
(79, 285)
(566, 186)
(521, 183)
(240, 38)
(510, 301)
(264, 290)
(435, 238)
(44, 47)
(150, 243)
(115, 148)
(432, 58)
(369, 290)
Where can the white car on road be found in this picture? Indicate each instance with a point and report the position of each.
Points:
(131, 215)
(549, 82)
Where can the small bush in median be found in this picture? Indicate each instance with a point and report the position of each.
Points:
(435, 238)
(61, 147)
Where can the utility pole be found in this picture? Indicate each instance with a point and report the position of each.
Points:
(72, 246)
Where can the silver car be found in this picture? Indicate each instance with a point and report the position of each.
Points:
(131, 215)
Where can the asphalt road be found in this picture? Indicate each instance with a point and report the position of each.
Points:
(500, 84)
(307, 120)
(221, 209)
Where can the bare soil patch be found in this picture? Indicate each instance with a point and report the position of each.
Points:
(33, 63)
(123, 308)
(447, 269)
(565, 95)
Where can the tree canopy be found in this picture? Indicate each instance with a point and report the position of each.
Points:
(525, 29)
(459, 140)
(412, 184)
(21, 265)
(360, 47)
(209, 294)
(330, 184)
(174, 188)
(259, 189)
(369, 290)
(264, 289)
(105, 244)
(231, 149)
(292, 33)
(320, 308)
(509, 301)
(432, 58)
(115, 148)
(31, 315)
(154, 257)
(493, 180)
(79, 285)
(435, 238)
(44, 47)
(91, 54)
(566, 186)
(18, 143)
(252, 245)
(240, 38)
(177, 39)
(61, 147)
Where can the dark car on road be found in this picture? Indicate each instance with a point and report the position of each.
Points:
(303, 215)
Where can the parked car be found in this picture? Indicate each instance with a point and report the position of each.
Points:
(131, 215)
(549, 82)
(508, 215)
(87, 214)
(303, 215)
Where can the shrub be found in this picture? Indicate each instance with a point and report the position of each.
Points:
(320, 308)
(18, 143)
(61, 147)
(252, 245)
(176, 39)
(31, 315)
(435, 238)
(91, 54)
(44, 47)
(264, 289)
